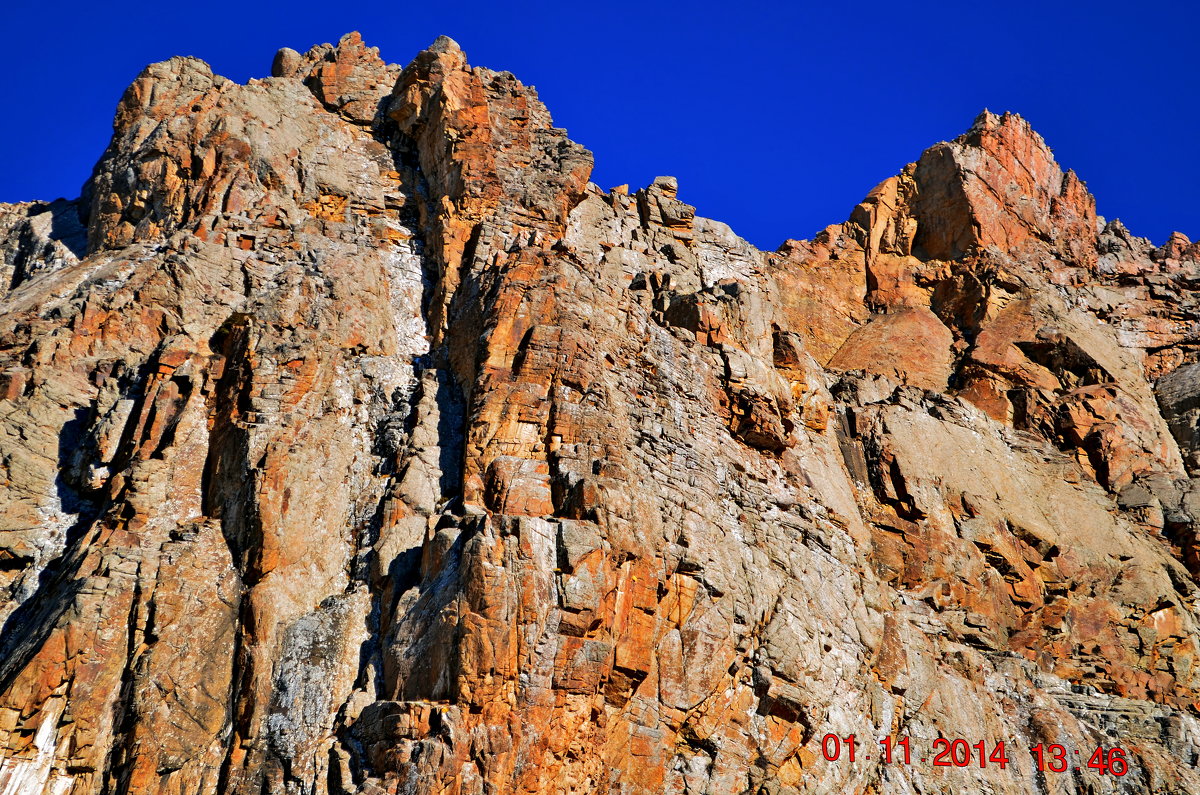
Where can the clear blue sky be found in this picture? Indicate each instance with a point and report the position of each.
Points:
(776, 118)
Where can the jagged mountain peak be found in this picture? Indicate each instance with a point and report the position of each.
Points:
(370, 448)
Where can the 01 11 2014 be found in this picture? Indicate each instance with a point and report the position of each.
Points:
(1053, 758)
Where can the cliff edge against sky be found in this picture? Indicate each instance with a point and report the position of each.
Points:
(352, 441)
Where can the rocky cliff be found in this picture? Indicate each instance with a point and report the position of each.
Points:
(352, 441)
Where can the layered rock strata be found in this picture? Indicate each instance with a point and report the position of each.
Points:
(352, 441)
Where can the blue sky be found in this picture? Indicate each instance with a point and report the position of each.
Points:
(776, 118)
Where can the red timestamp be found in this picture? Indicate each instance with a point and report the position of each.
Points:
(945, 752)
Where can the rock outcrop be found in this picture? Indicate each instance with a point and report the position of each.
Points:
(352, 441)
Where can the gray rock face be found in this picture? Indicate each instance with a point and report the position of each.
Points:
(1178, 394)
(365, 446)
(37, 237)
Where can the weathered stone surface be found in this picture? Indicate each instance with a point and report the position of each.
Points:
(367, 447)
(38, 236)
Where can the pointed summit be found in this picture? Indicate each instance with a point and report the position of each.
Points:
(998, 185)
(349, 79)
(444, 44)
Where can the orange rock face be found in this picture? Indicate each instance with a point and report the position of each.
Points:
(352, 441)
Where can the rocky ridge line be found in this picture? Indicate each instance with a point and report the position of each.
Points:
(354, 442)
